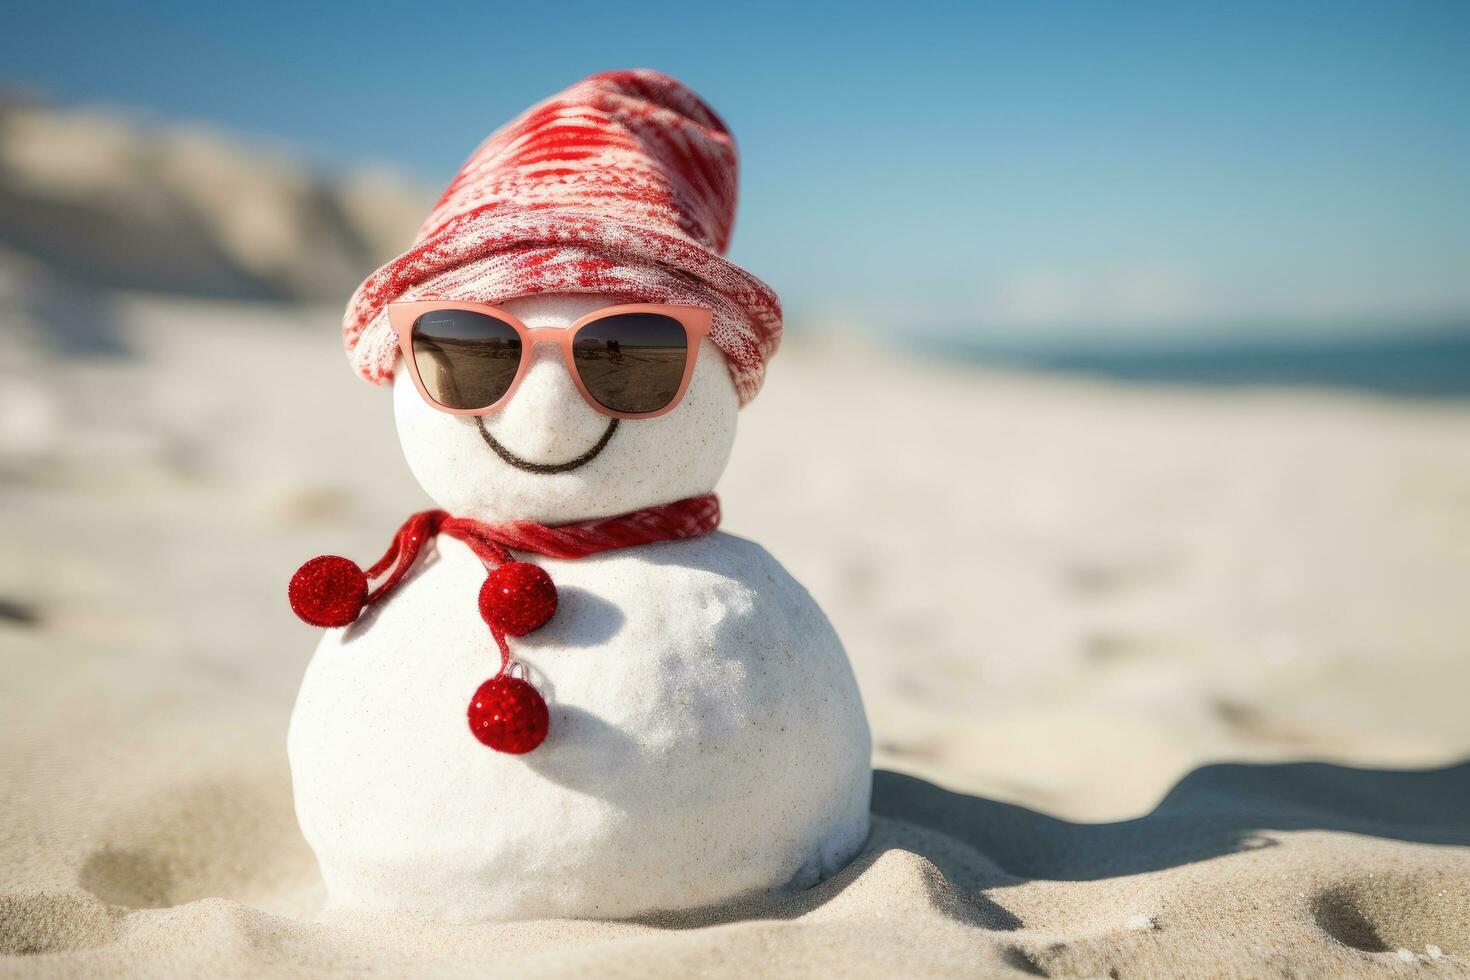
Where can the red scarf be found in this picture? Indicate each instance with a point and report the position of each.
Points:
(507, 713)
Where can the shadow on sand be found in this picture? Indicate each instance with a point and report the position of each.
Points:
(977, 843)
(1215, 810)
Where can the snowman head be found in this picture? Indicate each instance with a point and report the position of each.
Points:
(547, 455)
(619, 190)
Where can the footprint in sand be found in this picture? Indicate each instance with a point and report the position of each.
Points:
(134, 879)
(229, 838)
(1382, 913)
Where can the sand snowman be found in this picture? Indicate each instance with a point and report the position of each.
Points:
(564, 693)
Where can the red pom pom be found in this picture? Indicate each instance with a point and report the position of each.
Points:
(517, 597)
(328, 591)
(509, 715)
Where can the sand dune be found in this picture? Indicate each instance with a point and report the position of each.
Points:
(115, 202)
(1162, 682)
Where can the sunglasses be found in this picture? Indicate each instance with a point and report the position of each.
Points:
(629, 362)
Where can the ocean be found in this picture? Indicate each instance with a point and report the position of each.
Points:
(1424, 364)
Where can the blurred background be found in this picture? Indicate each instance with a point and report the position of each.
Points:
(1123, 386)
(1253, 193)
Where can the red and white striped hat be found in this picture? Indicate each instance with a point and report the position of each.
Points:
(622, 185)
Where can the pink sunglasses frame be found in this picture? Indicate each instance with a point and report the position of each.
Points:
(694, 319)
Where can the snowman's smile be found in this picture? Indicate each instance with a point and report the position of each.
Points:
(530, 467)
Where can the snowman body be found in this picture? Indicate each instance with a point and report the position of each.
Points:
(707, 740)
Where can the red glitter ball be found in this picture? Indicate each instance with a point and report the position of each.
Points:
(328, 591)
(509, 715)
(517, 597)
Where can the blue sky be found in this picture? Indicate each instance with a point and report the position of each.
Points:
(980, 168)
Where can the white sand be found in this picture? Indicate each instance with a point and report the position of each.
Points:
(1064, 602)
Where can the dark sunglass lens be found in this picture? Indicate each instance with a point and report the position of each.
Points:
(632, 362)
(465, 359)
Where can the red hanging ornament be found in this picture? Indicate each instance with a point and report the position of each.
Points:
(517, 598)
(328, 591)
(509, 715)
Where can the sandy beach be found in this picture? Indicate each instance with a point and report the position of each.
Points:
(1162, 681)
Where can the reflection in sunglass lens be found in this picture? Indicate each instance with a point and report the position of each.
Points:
(465, 359)
(632, 362)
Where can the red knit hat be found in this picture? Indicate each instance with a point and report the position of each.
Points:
(623, 185)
